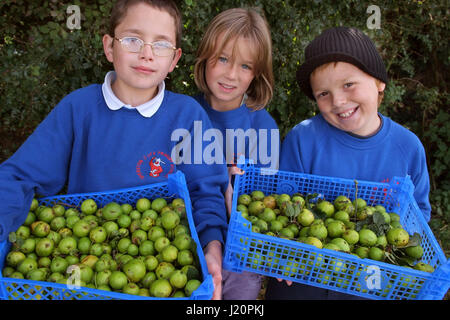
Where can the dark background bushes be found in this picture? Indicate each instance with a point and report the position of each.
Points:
(42, 60)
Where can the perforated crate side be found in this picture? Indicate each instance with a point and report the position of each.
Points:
(291, 260)
(174, 187)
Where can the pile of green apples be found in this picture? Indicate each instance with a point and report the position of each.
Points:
(354, 227)
(143, 248)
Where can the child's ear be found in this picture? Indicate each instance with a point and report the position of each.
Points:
(381, 86)
(176, 57)
(108, 47)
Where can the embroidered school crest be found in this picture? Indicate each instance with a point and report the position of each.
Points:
(155, 167)
(155, 164)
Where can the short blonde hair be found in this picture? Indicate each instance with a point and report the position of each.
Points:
(234, 23)
(378, 82)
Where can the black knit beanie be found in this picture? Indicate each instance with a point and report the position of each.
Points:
(341, 44)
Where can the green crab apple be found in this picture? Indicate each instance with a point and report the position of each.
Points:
(398, 237)
(244, 199)
(314, 242)
(117, 280)
(40, 229)
(14, 258)
(98, 235)
(134, 270)
(67, 245)
(31, 217)
(367, 237)
(191, 286)
(146, 248)
(351, 236)
(111, 211)
(28, 245)
(182, 241)
(160, 288)
(81, 228)
(143, 204)
(255, 208)
(178, 279)
(44, 247)
(169, 219)
(376, 253)
(342, 244)
(46, 214)
(169, 253)
(185, 257)
(305, 217)
(343, 203)
(336, 229)
(34, 204)
(88, 206)
(59, 265)
(319, 231)
(26, 265)
(257, 195)
(164, 270)
(326, 208)
(415, 252)
(158, 204)
(270, 202)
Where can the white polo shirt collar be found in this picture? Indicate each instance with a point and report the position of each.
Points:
(147, 109)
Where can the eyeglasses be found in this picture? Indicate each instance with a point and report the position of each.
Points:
(159, 48)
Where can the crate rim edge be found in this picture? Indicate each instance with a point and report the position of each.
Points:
(172, 176)
(268, 172)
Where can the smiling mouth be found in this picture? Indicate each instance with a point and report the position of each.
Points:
(226, 87)
(347, 114)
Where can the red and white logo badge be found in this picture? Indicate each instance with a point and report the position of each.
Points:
(155, 164)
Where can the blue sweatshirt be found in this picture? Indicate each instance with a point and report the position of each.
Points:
(91, 148)
(244, 131)
(316, 147)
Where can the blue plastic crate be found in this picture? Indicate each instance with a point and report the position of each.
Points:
(291, 260)
(174, 187)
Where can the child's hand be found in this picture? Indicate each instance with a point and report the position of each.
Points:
(288, 282)
(213, 257)
(229, 193)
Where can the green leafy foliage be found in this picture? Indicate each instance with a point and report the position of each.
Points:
(398, 256)
(293, 210)
(374, 222)
(42, 60)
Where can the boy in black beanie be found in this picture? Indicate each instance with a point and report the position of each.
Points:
(345, 75)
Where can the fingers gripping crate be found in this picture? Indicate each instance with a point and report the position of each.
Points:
(174, 187)
(302, 263)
